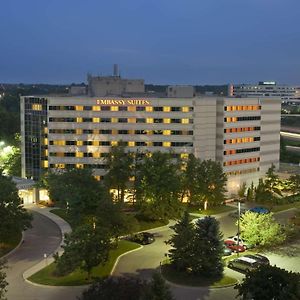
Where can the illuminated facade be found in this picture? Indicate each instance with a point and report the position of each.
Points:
(61, 132)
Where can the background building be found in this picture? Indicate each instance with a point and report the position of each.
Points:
(264, 89)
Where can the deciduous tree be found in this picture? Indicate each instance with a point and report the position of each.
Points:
(3, 282)
(261, 229)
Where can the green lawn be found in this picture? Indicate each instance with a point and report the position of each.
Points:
(9, 245)
(210, 211)
(78, 277)
(281, 207)
(189, 280)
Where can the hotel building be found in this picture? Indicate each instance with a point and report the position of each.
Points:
(78, 131)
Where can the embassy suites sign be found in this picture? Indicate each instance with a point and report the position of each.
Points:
(122, 102)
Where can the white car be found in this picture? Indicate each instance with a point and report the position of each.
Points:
(235, 239)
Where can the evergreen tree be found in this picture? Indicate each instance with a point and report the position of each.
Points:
(157, 289)
(207, 249)
(180, 253)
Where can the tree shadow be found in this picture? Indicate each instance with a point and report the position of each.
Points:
(180, 292)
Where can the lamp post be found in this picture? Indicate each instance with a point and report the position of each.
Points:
(238, 223)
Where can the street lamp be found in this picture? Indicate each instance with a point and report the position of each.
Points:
(238, 233)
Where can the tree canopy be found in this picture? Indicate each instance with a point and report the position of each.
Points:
(269, 282)
(14, 218)
(261, 229)
(3, 282)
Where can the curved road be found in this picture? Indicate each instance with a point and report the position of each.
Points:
(43, 237)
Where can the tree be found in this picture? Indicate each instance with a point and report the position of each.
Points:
(261, 229)
(119, 165)
(271, 181)
(269, 282)
(86, 247)
(251, 192)
(128, 288)
(157, 289)
(76, 190)
(3, 282)
(14, 218)
(295, 183)
(180, 252)
(242, 190)
(207, 249)
(159, 187)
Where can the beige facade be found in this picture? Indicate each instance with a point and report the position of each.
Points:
(242, 134)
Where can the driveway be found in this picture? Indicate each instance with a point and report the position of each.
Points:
(43, 238)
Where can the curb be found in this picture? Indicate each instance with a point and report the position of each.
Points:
(120, 256)
(14, 249)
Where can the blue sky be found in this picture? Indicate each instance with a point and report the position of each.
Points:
(162, 41)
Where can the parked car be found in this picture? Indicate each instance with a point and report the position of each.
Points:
(143, 238)
(234, 247)
(244, 264)
(261, 259)
(259, 210)
(241, 241)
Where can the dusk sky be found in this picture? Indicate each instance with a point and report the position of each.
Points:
(161, 41)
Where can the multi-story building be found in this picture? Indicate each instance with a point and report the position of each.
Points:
(264, 89)
(61, 132)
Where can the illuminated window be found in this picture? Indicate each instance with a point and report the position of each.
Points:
(167, 121)
(167, 108)
(96, 120)
(79, 154)
(97, 177)
(78, 131)
(114, 132)
(130, 131)
(95, 143)
(114, 108)
(37, 107)
(79, 166)
(184, 156)
(95, 131)
(45, 141)
(114, 143)
(166, 132)
(131, 120)
(59, 143)
(96, 154)
(131, 108)
(149, 120)
(114, 120)
(79, 143)
(166, 144)
(79, 120)
(45, 130)
(59, 166)
(45, 164)
(185, 109)
(149, 144)
(78, 107)
(149, 108)
(184, 121)
(131, 144)
(96, 108)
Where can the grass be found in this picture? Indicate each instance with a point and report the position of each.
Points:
(184, 278)
(210, 211)
(281, 207)
(78, 277)
(10, 244)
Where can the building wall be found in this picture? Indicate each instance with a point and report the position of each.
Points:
(242, 134)
(180, 91)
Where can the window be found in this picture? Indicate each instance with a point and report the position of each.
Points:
(79, 107)
(167, 108)
(149, 108)
(114, 108)
(96, 120)
(140, 108)
(149, 120)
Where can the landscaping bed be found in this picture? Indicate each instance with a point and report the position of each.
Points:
(78, 277)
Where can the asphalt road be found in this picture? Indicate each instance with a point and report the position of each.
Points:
(44, 237)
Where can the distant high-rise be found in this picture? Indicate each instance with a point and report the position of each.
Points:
(264, 89)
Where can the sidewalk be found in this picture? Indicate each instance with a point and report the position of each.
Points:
(64, 228)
